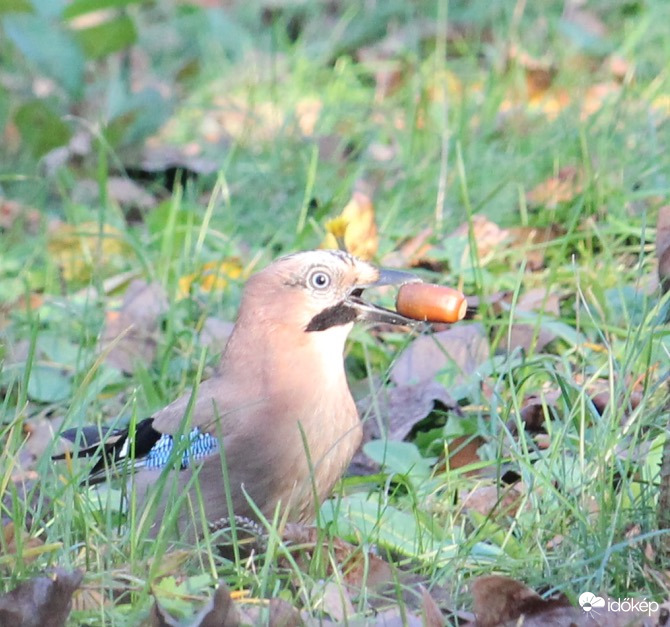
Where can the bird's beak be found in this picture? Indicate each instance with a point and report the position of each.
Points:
(374, 313)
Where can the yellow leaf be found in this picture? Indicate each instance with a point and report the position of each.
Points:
(558, 189)
(354, 229)
(212, 276)
(82, 249)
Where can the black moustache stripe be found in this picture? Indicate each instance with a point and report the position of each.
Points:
(334, 316)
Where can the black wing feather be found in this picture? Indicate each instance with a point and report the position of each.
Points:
(111, 445)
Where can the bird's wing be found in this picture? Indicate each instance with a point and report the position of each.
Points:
(216, 409)
(172, 433)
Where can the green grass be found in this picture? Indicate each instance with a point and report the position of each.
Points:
(274, 190)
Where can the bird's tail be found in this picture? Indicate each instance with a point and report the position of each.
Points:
(110, 446)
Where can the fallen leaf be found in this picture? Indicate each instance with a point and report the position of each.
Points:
(282, 614)
(619, 67)
(498, 599)
(387, 69)
(464, 346)
(12, 211)
(242, 119)
(40, 602)
(526, 335)
(360, 569)
(40, 434)
(531, 241)
(596, 96)
(410, 252)
(562, 188)
(354, 229)
(502, 601)
(333, 599)
(461, 451)
(494, 500)
(532, 411)
(307, 112)
(430, 612)
(539, 78)
(86, 248)
(157, 157)
(487, 235)
(219, 611)
(403, 406)
(397, 617)
(130, 333)
(29, 544)
(88, 599)
(121, 190)
(212, 276)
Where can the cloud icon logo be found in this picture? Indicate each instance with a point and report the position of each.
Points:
(590, 601)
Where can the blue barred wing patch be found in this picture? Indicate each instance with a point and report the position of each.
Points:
(199, 445)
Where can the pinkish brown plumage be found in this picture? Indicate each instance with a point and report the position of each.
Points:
(278, 411)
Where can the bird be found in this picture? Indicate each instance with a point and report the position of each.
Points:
(276, 426)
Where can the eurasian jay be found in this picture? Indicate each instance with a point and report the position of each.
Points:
(278, 417)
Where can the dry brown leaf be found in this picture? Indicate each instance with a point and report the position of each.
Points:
(360, 569)
(86, 599)
(12, 211)
(528, 336)
(354, 229)
(465, 346)
(562, 188)
(219, 611)
(130, 332)
(539, 78)
(282, 614)
(396, 617)
(462, 451)
(28, 542)
(242, 119)
(121, 190)
(40, 434)
(596, 96)
(399, 409)
(494, 500)
(389, 70)
(532, 410)
(430, 612)
(531, 240)
(157, 156)
(619, 67)
(333, 599)
(504, 602)
(488, 236)
(410, 252)
(500, 600)
(307, 111)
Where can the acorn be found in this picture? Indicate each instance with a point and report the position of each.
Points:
(431, 303)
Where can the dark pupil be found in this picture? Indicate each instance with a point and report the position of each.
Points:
(320, 279)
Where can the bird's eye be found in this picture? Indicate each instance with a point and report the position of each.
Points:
(319, 280)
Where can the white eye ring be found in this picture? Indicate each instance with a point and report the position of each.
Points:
(319, 280)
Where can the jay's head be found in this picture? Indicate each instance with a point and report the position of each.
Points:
(319, 291)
